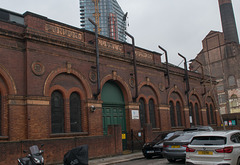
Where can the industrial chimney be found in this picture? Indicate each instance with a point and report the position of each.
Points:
(228, 21)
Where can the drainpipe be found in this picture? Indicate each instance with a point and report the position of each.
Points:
(167, 70)
(186, 79)
(97, 59)
(204, 87)
(135, 66)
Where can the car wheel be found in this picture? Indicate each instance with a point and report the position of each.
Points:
(238, 162)
(148, 156)
(171, 160)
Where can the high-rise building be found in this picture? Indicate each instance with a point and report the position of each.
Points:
(108, 16)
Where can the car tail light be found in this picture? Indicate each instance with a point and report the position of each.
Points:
(190, 149)
(165, 146)
(225, 150)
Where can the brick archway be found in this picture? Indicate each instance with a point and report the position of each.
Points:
(9, 82)
(193, 92)
(180, 113)
(121, 83)
(53, 74)
(152, 86)
(175, 89)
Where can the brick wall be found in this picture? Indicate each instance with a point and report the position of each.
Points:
(54, 149)
(47, 55)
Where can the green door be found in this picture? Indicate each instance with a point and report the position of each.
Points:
(113, 108)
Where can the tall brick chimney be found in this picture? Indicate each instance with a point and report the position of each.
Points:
(228, 21)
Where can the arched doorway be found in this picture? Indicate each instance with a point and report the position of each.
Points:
(113, 108)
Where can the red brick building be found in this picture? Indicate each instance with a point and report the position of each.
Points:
(220, 58)
(49, 91)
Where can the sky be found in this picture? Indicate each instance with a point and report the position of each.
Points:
(179, 26)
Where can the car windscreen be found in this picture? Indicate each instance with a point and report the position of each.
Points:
(184, 137)
(173, 135)
(34, 149)
(160, 138)
(208, 140)
(169, 135)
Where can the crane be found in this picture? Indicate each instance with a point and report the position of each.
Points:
(97, 14)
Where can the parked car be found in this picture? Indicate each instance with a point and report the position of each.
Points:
(199, 128)
(155, 147)
(217, 147)
(175, 149)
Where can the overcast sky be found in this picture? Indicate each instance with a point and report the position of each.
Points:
(177, 25)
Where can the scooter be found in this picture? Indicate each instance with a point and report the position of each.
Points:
(33, 158)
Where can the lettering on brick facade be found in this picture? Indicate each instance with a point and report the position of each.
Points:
(55, 29)
(144, 55)
(110, 45)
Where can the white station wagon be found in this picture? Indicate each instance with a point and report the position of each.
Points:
(214, 148)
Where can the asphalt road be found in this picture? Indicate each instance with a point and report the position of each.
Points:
(154, 161)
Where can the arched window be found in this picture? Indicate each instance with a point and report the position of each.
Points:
(233, 101)
(208, 113)
(191, 113)
(197, 114)
(57, 112)
(231, 81)
(179, 118)
(142, 112)
(152, 113)
(172, 114)
(75, 113)
(212, 114)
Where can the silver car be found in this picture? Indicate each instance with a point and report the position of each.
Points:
(215, 148)
(176, 148)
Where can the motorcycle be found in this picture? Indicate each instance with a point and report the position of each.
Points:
(77, 156)
(33, 158)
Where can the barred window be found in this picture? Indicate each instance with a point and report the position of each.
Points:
(222, 98)
(208, 113)
(142, 112)
(220, 88)
(212, 114)
(231, 81)
(152, 113)
(57, 112)
(172, 114)
(197, 114)
(179, 115)
(75, 112)
(233, 101)
(191, 111)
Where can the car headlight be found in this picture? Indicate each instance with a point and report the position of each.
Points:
(36, 160)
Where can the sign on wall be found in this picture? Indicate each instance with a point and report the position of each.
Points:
(135, 114)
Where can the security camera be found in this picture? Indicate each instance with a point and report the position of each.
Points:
(92, 108)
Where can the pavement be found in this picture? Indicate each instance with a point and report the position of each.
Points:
(112, 160)
(126, 156)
